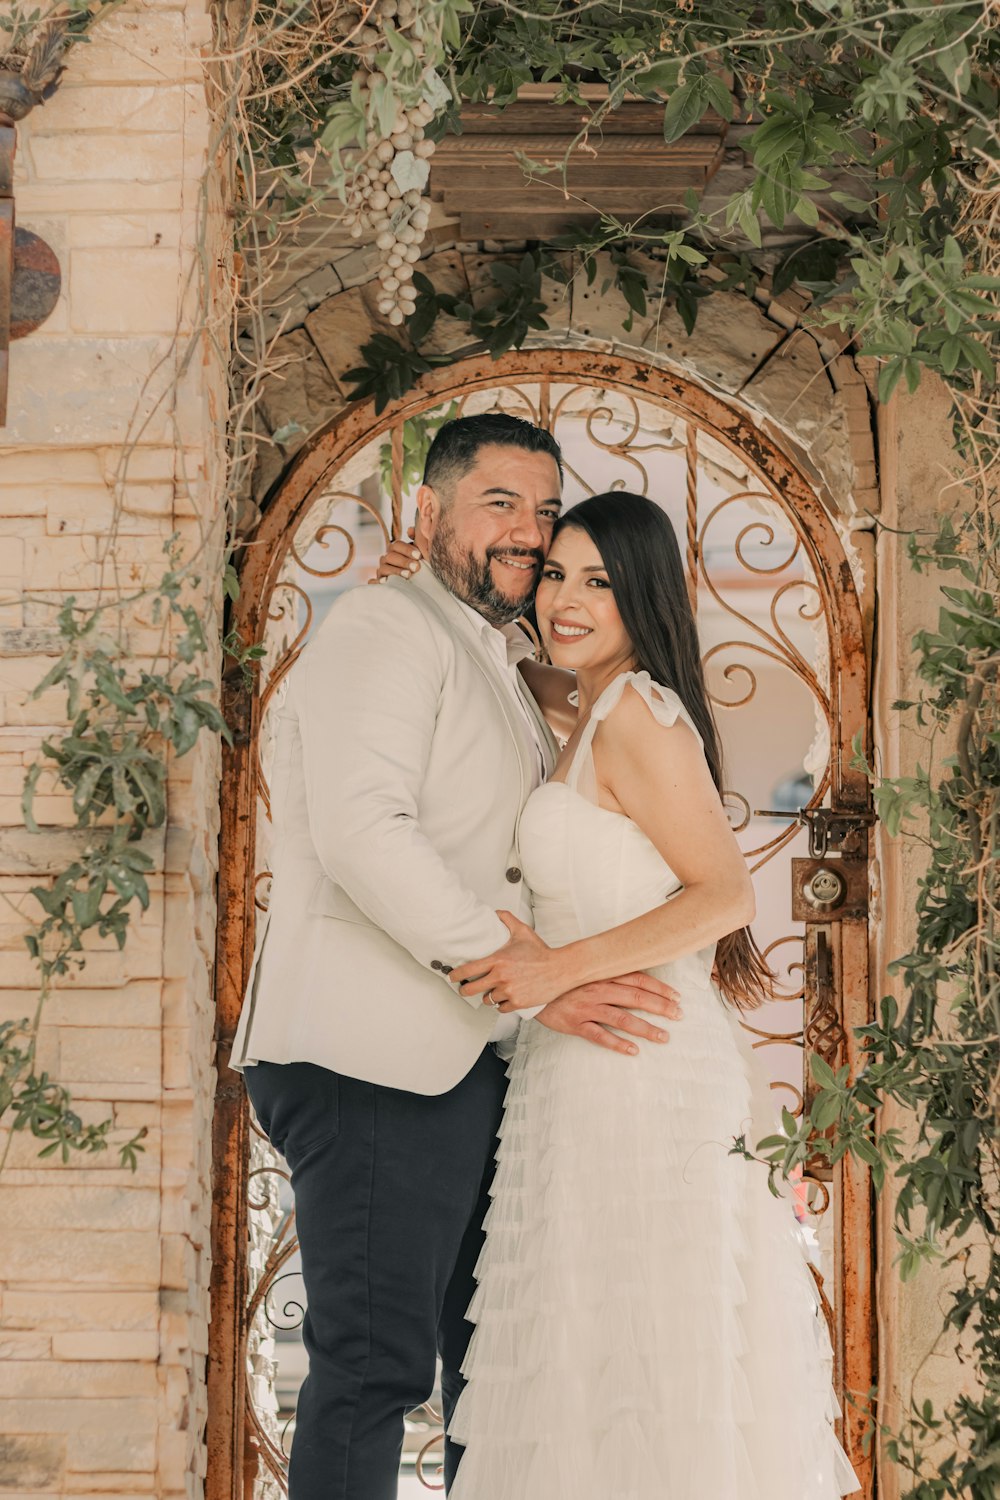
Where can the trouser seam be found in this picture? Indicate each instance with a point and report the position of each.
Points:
(368, 1301)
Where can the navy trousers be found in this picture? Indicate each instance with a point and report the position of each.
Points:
(391, 1189)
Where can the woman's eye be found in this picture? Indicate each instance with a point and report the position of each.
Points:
(552, 573)
(602, 583)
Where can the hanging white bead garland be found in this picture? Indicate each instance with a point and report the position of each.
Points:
(385, 196)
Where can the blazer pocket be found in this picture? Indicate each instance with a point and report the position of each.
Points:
(331, 900)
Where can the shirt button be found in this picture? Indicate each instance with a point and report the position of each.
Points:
(437, 964)
(513, 875)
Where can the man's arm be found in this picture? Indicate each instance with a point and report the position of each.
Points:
(367, 691)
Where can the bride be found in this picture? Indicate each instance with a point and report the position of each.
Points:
(646, 1324)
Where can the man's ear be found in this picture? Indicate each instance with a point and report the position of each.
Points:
(428, 512)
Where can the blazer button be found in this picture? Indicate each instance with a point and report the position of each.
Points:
(513, 875)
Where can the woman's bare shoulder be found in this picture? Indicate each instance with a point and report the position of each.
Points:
(550, 687)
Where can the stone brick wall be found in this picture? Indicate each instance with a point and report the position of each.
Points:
(104, 1272)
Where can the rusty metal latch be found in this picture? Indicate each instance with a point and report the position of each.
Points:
(826, 825)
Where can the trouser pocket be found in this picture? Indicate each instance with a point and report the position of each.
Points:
(297, 1105)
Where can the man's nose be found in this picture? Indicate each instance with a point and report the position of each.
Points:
(526, 531)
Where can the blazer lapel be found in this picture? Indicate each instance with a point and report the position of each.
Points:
(434, 593)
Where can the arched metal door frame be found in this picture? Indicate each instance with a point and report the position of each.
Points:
(287, 504)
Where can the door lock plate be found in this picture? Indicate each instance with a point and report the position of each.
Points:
(832, 889)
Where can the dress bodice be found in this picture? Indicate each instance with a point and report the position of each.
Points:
(589, 868)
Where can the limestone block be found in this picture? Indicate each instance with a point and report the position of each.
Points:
(72, 1308)
(358, 266)
(75, 1206)
(94, 1375)
(109, 1055)
(141, 1347)
(144, 47)
(318, 285)
(731, 338)
(338, 328)
(18, 1344)
(107, 158)
(446, 272)
(112, 231)
(89, 107)
(599, 310)
(78, 391)
(99, 197)
(125, 291)
(28, 468)
(31, 1461)
(125, 1446)
(137, 1004)
(98, 1258)
(30, 641)
(299, 391)
(794, 390)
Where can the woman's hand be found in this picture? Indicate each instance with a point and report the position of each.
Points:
(401, 559)
(524, 973)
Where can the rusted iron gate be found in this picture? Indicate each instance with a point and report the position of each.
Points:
(828, 890)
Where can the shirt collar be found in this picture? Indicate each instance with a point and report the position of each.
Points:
(516, 644)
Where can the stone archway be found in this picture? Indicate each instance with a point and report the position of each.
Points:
(798, 382)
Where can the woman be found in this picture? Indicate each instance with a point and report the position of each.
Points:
(646, 1322)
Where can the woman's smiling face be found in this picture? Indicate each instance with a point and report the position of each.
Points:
(576, 610)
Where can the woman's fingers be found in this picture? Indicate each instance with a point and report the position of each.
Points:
(400, 560)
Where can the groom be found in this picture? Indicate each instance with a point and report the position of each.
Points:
(406, 750)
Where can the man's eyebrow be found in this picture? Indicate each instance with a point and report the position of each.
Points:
(498, 489)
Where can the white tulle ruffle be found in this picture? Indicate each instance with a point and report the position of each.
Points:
(647, 1325)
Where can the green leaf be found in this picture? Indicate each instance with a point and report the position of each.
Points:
(806, 210)
(685, 108)
(718, 96)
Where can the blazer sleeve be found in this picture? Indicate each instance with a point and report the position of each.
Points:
(367, 694)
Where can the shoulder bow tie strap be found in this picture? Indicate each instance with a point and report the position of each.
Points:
(662, 702)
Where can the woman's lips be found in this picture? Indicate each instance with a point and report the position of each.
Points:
(565, 632)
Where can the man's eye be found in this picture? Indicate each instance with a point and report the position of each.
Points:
(550, 515)
(502, 502)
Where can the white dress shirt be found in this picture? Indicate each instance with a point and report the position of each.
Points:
(510, 645)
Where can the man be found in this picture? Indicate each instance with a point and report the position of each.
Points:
(405, 753)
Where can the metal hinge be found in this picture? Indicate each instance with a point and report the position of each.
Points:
(827, 825)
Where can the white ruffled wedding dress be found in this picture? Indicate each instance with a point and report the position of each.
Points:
(647, 1326)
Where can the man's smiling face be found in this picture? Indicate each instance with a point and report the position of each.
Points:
(489, 535)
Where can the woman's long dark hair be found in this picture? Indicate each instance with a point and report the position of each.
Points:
(639, 549)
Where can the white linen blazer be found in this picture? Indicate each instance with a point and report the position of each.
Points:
(402, 764)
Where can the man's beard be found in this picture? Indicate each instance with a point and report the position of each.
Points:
(471, 579)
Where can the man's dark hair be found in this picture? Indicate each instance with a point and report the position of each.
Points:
(453, 452)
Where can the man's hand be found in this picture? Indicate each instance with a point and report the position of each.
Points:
(597, 1012)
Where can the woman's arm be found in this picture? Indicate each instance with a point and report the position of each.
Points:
(550, 687)
(659, 778)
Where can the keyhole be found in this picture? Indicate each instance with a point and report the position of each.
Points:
(827, 888)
